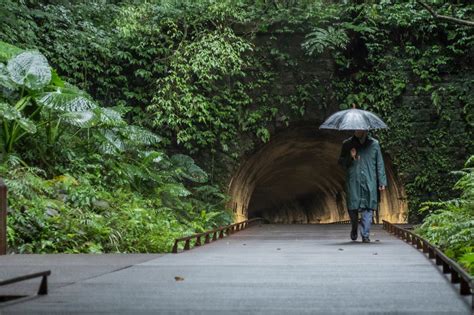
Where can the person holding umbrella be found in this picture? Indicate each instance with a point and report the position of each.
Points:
(361, 157)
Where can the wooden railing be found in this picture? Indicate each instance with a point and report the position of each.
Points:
(216, 234)
(458, 274)
(341, 222)
(43, 287)
(3, 217)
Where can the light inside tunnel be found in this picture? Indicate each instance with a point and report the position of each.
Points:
(295, 178)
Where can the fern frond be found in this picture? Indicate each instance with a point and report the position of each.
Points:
(188, 169)
(321, 39)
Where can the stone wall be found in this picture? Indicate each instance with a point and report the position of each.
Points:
(294, 177)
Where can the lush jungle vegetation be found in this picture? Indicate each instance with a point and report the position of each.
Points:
(450, 224)
(123, 120)
(83, 179)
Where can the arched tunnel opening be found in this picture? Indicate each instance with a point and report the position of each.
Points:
(295, 178)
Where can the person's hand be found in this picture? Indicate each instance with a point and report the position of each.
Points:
(381, 187)
(353, 153)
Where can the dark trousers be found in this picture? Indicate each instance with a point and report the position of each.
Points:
(365, 222)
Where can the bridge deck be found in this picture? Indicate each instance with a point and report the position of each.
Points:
(313, 269)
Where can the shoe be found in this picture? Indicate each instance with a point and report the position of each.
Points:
(365, 240)
(354, 234)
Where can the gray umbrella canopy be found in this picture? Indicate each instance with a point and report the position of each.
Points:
(353, 119)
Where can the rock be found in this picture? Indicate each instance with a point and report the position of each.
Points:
(101, 204)
(62, 197)
(51, 212)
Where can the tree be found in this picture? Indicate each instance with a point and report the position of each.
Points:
(445, 17)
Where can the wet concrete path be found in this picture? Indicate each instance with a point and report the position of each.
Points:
(267, 269)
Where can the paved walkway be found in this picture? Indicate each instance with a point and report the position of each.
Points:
(276, 269)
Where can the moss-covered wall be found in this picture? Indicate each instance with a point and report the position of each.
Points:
(426, 140)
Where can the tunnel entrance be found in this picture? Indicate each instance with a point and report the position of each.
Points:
(295, 178)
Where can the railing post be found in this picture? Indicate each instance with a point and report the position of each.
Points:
(464, 287)
(455, 278)
(446, 268)
(43, 289)
(3, 217)
(418, 244)
(431, 253)
(458, 275)
(216, 234)
(425, 247)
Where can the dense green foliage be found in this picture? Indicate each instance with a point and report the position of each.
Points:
(210, 79)
(417, 74)
(104, 185)
(450, 224)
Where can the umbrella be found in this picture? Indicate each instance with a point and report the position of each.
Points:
(353, 119)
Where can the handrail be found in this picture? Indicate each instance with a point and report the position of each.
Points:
(3, 217)
(228, 229)
(43, 288)
(458, 274)
(340, 222)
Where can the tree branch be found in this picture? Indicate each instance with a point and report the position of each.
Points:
(445, 17)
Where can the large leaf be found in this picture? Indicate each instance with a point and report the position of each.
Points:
(175, 190)
(7, 51)
(113, 143)
(9, 112)
(30, 69)
(68, 99)
(55, 79)
(153, 156)
(110, 117)
(27, 125)
(84, 119)
(5, 79)
(140, 135)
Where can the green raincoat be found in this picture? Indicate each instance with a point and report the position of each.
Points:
(364, 176)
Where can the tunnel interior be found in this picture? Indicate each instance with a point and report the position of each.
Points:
(295, 178)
